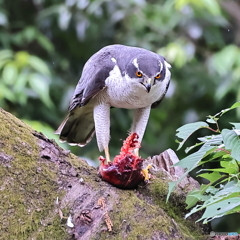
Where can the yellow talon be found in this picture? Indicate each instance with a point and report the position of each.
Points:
(146, 173)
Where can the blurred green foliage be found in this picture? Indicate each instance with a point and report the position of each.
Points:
(23, 76)
(45, 43)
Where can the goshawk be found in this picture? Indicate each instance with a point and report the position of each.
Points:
(116, 76)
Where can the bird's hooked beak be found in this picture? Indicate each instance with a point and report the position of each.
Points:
(147, 83)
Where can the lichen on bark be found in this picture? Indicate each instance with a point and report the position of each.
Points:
(28, 184)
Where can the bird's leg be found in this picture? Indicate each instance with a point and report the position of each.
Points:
(107, 155)
(101, 115)
(136, 152)
(139, 125)
(140, 120)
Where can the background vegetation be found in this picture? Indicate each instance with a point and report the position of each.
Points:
(45, 43)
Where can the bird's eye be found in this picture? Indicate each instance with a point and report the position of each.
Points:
(158, 76)
(139, 74)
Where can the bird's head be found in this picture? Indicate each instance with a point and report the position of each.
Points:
(148, 70)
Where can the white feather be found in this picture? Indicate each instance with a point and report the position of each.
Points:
(135, 63)
(167, 65)
(69, 222)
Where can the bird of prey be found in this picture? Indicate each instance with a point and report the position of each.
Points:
(116, 76)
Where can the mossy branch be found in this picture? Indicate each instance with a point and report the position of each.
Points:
(42, 185)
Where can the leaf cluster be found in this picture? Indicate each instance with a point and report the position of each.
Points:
(23, 76)
(220, 152)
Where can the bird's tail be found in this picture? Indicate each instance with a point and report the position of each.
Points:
(78, 127)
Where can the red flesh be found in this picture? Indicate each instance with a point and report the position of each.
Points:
(126, 169)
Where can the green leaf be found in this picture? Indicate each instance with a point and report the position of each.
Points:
(38, 65)
(4, 62)
(219, 209)
(22, 58)
(188, 149)
(6, 54)
(236, 125)
(212, 140)
(171, 187)
(223, 170)
(235, 105)
(21, 82)
(232, 142)
(3, 19)
(190, 162)
(39, 84)
(187, 130)
(9, 73)
(231, 166)
(210, 120)
(216, 157)
(228, 165)
(29, 33)
(212, 6)
(6, 93)
(228, 189)
(45, 43)
(196, 195)
(212, 190)
(211, 177)
(218, 201)
(226, 57)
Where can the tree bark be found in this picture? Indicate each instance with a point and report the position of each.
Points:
(42, 185)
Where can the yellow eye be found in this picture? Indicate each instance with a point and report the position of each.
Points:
(139, 74)
(158, 76)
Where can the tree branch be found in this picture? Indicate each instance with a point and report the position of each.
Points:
(42, 185)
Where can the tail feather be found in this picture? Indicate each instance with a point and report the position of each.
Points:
(78, 127)
(60, 128)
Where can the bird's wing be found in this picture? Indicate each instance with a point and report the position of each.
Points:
(78, 127)
(92, 81)
(166, 74)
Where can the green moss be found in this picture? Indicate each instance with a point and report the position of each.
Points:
(137, 220)
(28, 185)
(29, 188)
(175, 208)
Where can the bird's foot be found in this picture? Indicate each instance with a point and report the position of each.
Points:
(146, 173)
(125, 171)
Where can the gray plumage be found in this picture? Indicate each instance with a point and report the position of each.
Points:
(116, 76)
